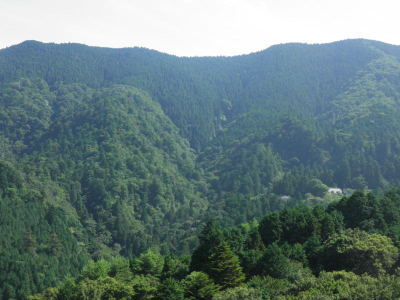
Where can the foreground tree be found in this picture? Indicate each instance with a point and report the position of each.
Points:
(198, 285)
(359, 252)
(171, 289)
(209, 238)
(225, 268)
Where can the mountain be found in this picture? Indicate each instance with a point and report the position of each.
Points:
(107, 151)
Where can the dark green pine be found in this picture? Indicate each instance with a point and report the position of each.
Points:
(225, 268)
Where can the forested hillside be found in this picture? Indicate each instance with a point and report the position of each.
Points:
(107, 152)
(299, 253)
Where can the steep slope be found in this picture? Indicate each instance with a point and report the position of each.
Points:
(318, 109)
(194, 92)
(112, 149)
(170, 80)
(347, 136)
(41, 239)
(105, 172)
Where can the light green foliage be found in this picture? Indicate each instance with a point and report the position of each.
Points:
(120, 269)
(198, 285)
(360, 252)
(104, 288)
(347, 285)
(95, 270)
(145, 286)
(149, 263)
(270, 287)
(317, 187)
(48, 294)
(87, 289)
(238, 293)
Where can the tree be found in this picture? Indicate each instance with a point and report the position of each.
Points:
(176, 267)
(48, 294)
(145, 286)
(361, 210)
(359, 252)
(224, 267)
(347, 285)
(269, 287)
(103, 288)
(114, 289)
(120, 269)
(149, 263)
(277, 265)
(94, 270)
(271, 228)
(198, 285)
(209, 238)
(170, 289)
(317, 187)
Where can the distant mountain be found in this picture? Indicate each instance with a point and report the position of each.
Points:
(118, 150)
(192, 90)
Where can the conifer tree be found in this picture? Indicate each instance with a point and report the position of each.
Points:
(224, 267)
(198, 285)
(209, 238)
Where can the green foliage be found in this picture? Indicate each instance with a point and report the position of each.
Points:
(120, 269)
(104, 288)
(224, 267)
(171, 289)
(359, 252)
(371, 213)
(361, 210)
(40, 243)
(347, 285)
(99, 171)
(277, 264)
(176, 267)
(347, 263)
(95, 270)
(145, 286)
(149, 263)
(209, 238)
(198, 285)
(269, 287)
(238, 293)
(297, 225)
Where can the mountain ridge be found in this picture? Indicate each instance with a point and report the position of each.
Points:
(365, 40)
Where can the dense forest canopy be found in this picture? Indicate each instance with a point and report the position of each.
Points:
(107, 152)
(324, 252)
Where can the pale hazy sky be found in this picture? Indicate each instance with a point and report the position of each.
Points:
(197, 27)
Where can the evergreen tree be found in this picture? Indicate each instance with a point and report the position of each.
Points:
(198, 285)
(224, 267)
(210, 237)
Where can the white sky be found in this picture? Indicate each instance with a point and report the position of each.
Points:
(197, 27)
